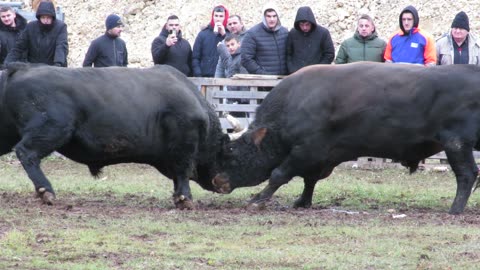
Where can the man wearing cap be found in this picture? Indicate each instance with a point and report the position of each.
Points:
(43, 41)
(459, 46)
(108, 49)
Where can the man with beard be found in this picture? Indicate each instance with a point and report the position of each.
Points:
(43, 41)
(109, 49)
(11, 25)
(169, 48)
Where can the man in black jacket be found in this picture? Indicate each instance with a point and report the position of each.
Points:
(43, 41)
(308, 43)
(109, 49)
(11, 25)
(169, 48)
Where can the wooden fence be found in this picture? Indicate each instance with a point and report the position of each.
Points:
(216, 92)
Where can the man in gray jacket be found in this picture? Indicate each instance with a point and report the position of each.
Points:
(459, 46)
(264, 46)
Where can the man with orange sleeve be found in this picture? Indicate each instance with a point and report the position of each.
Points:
(411, 44)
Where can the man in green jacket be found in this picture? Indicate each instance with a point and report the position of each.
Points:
(365, 45)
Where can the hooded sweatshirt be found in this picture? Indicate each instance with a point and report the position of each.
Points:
(313, 47)
(9, 35)
(264, 50)
(415, 46)
(205, 55)
(46, 44)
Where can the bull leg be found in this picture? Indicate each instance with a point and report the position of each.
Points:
(41, 137)
(182, 196)
(278, 178)
(305, 200)
(466, 171)
(30, 161)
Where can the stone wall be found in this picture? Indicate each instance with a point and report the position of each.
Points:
(145, 18)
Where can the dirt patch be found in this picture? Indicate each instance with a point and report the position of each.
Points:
(224, 214)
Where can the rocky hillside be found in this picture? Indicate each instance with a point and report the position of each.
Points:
(145, 18)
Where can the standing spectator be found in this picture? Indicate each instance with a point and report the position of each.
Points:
(308, 43)
(264, 47)
(109, 49)
(236, 27)
(43, 41)
(229, 53)
(169, 48)
(458, 46)
(11, 25)
(365, 45)
(229, 62)
(205, 55)
(411, 44)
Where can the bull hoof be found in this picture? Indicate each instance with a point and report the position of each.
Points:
(47, 197)
(257, 206)
(455, 211)
(183, 203)
(302, 204)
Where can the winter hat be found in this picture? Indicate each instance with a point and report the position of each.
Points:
(113, 21)
(461, 21)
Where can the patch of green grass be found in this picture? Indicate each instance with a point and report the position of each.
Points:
(126, 220)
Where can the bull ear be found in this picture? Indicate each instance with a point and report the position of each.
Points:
(258, 136)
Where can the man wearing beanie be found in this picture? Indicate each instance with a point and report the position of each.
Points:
(411, 45)
(43, 41)
(459, 46)
(109, 49)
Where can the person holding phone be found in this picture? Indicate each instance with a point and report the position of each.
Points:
(169, 48)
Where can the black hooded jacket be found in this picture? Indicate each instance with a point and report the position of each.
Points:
(46, 44)
(9, 35)
(178, 56)
(314, 47)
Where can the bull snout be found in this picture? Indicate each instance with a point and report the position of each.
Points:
(221, 184)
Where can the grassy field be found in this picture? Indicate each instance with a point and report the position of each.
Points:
(126, 220)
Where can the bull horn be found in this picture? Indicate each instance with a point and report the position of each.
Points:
(237, 126)
(236, 135)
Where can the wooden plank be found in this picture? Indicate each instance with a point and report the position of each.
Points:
(257, 77)
(239, 94)
(199, 81)
(249, 108)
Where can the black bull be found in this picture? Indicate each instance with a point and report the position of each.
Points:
(324, 115)
(106, 116)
